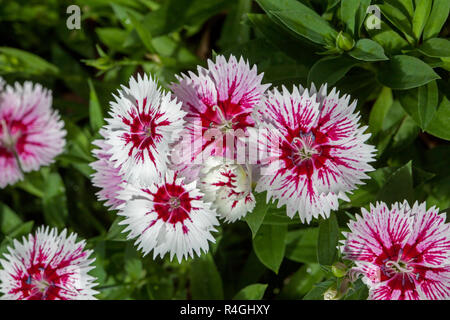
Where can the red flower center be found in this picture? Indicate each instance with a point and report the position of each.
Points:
(173, 204)
(42, 283)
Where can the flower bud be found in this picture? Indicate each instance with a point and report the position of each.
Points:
(339, 269)
(331, 294)
(344, 41)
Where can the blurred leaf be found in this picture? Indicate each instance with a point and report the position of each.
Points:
(330, 69)
(115, 232)
(327, 240)
(95, 110)
(269, 245)
(399, 186)
(233, 30)
(9, 220)
(206, 283)
(421, 13)
(300, 19)
(317, 292)
(251, 292)
(368, 50)
(16, 60)
(405, 72)
(55, 201)
(436, 47)
(255, 218)
(438, 16)
(302, 245)
(302, 281)
(143, 32)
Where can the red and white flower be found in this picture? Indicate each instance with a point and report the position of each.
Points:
(311, 149)
(31, 132)
(144, 122)
(228, 186)
(403, 253)
(169, 216)
(106, 176)
(47, 266)
(219, 102)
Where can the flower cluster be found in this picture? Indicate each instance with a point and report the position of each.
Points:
(171, 163)
(31, 132)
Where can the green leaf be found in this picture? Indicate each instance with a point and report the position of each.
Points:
(423, 8)
(251, 292)
(9, 220)
(427, 103)
(233, 30)
(398, 19)
(361, 14)
(319, 289)
(55, 201)
(143, 32)
(368, 50)
(269, 245)
(405, 72)
(399, 186)
(301, 245)
(255, 218)
(380, 110)
(302, 281)
(327, 240)
(438, 16)
(300, 19)
(421, 104)
(406, 133)
(390, 40)
(436, 48)
(206, 283)
(348, 14)
(95, 109)
(17, 60)
(283, 40)
(439, 126)
(330, 70)
(115, 232)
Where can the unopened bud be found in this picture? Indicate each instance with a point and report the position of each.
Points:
(331, 294)
(344, 41)
(339, 269)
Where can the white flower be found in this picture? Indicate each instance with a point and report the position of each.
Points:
(169, 216)
(144, 123)
(228, 186)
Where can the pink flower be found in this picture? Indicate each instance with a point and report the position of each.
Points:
(403, 253)
(169, 216)
(219, 102)
(31, 133)
(311, 149)
(47, 266)
(106, 176)
(144, 123)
